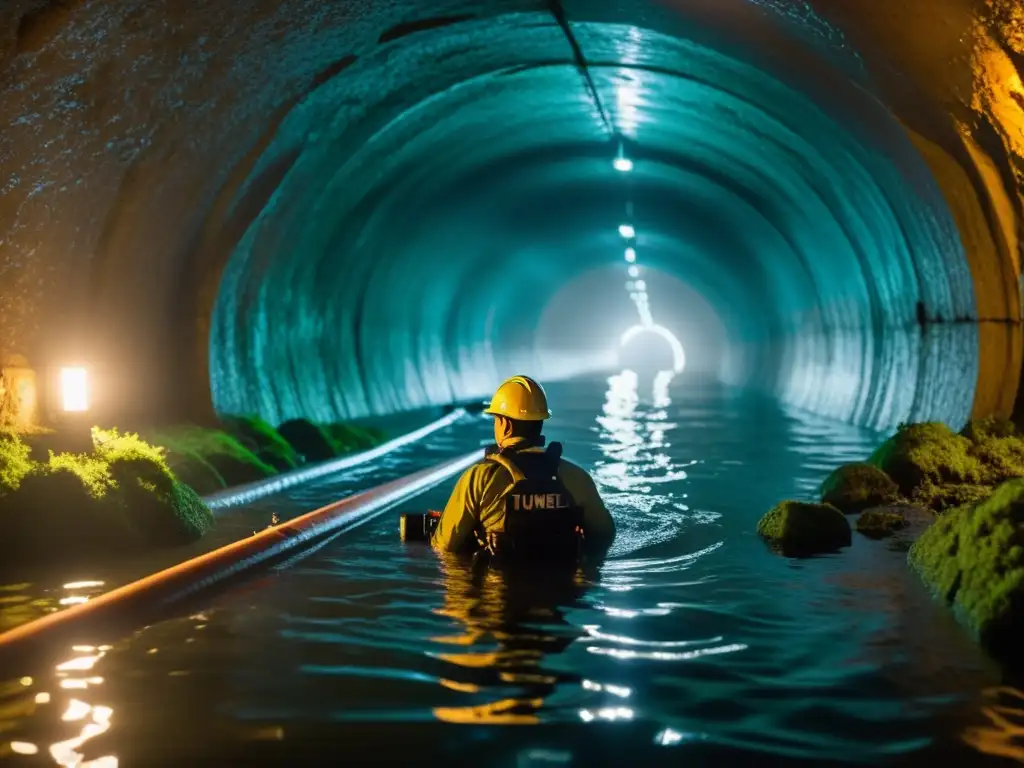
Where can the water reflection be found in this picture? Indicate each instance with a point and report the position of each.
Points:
(72, 693)
(510, 621)
(639, 474)
(1003, 733)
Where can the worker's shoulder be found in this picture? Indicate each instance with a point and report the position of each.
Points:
(571, 471)
(485, 467)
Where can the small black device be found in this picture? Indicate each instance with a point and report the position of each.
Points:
(418, 526)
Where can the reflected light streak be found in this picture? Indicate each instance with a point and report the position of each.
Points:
(629, 655)
(616, 690)
(592, 630)
(606, 713)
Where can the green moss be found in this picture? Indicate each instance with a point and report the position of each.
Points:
(972, 558)
(112, 445)
(879, 523)
(62, 513)
(263, 440)
(929, 452)
(349, 438)
(92, 471)
(233, 463)
(162, 510)
(75, 508)
(15, 462)
(799, 529)
(855, 487)
(940, 498)
(1002, 458)
(980, 430)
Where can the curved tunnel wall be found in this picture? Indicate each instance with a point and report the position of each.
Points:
(300, 170)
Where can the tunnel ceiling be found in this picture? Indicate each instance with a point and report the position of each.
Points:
(334, 209)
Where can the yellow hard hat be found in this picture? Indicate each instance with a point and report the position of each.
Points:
(520, 398)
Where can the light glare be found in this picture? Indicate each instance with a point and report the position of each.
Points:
(627, 231)
(630, 255)
(678, 355)
(74, 386)
(623, 164)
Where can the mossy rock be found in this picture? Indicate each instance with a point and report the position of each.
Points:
(81, 508)
(980, 430)
(56, 516)
(880, 522)
(212, 449)
(972, 558)
(263, 440)
(940, 498)
(800, 529)
(311, 441)
(163, 511)
(195, 472)
(350, 438)
(855, 487)
(15, 462)
(929, 452)
(1001, 457)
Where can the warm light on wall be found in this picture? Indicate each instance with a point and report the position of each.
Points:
(74, 390)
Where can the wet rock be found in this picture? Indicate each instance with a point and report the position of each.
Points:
(999, 448)
(881, 522)
(800, 529)
(941, 497)
(928, 453)
(972, 558)
(854, 487)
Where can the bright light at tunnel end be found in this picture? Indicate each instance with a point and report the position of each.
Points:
(623, 164)
(678, 354)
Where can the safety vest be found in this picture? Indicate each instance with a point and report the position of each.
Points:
(542, 520)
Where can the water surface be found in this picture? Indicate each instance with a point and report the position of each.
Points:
(692, 644)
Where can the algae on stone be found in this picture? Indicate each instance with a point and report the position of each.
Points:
(942, 497)
(190, 447)
(854, 487)
(929, 452)
(15, 461)
(880, 523)
(972, 558)
(75, 508)
(799, 529)
(263, 440)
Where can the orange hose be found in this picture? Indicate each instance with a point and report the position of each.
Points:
(164, 587)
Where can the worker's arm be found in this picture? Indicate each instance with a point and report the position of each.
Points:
(458, 519)
(598, 525)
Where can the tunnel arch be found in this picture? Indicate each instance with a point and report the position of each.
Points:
(171, 199)
(884, 275)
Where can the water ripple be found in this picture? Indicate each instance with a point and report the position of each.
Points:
(692, 636)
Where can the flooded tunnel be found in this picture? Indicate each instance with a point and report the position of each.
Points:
(804, 218)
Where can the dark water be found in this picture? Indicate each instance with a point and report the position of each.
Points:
(692, 645)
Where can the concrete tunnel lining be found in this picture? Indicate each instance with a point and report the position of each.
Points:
(285, 327)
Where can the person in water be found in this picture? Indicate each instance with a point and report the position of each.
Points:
(524, 499)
